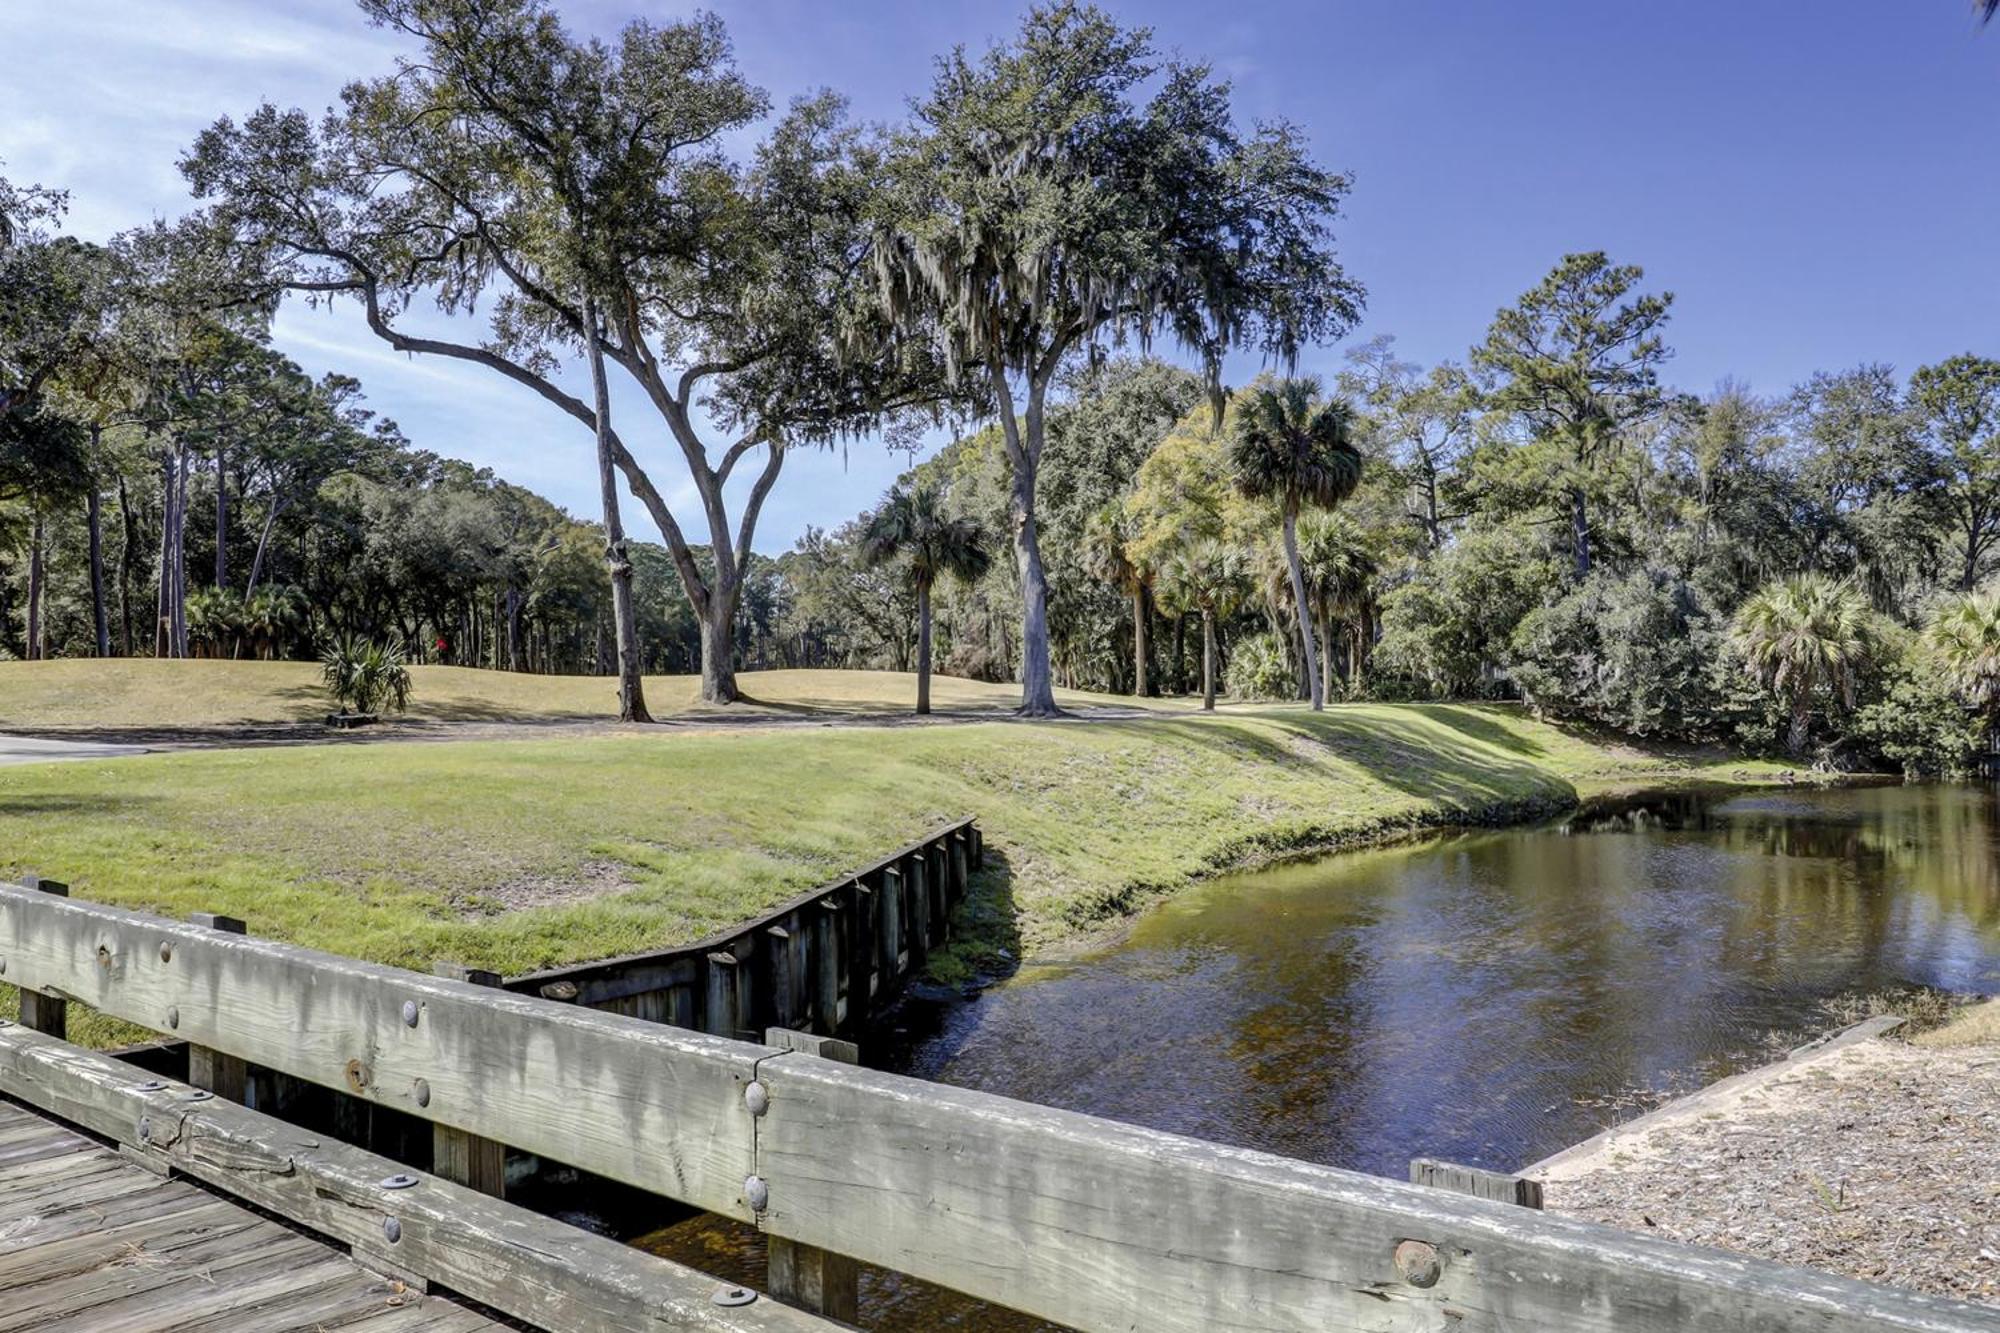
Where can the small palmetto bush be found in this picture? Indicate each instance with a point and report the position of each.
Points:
(365, 676)
(1258, 670)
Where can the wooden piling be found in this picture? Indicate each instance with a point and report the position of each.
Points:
(918, 896)
(45, 1013)
(862, 951)
(961, 872)
(828, 925)
(806, 1276)
(720, 1013)
(224, 1075)
(467, 1159)
(889, 929)
(781, 961)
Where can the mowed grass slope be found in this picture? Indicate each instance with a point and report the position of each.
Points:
(142, 693)
(517, 854)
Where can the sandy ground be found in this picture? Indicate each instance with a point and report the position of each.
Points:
(1879, 1160)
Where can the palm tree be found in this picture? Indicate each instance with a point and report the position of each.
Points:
(1964, 636)
(1294, 447)
(1801, 635)
(912, 526)
(1107, 557)
(1340, 579)
(1206, 577)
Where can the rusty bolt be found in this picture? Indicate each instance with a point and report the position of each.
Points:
(1418, 1263)
(357, 1076)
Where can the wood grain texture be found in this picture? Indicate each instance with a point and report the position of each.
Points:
(531, 1267)
(1102, 1226)
(1476, 1181)
(95, 1242)
(653, 1106)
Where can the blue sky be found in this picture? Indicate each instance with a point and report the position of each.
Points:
(1817, 180)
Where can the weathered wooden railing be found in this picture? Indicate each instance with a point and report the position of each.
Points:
(822, 962)
(1091, 1223)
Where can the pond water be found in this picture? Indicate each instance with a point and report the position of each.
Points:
(1486, 997)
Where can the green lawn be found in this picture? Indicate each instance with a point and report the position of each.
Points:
(516, 854)
(124, 693)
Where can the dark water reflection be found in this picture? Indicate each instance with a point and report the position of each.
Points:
(1482, 997)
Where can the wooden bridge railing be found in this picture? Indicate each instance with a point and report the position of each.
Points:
(1088, 1222)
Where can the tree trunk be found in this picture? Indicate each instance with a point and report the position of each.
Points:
(93, 514)
(617, 557)
(1208, 659)
(1326, 656)
(221, 516)
(263, 544)
(35, 580)
(1800, 729)
(179, 607)
(1139, 639)
(1299, 600)
(514, 654)
(923, 648)
(1579, 532)
(163, 621)
(718, 629)
(130, 527)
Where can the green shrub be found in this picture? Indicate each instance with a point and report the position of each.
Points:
(1636, 653)
(365, 676)
(1258, 669)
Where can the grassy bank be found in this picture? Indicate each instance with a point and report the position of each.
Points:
(515, 854)
(141, 693)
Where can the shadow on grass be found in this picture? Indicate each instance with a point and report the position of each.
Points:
(1400, 752)
(54, 804)
(1480, 724)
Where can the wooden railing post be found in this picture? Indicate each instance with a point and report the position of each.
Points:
(45, 1013)
(467, 1159)
(1476, 1181)
(227, 1076)
(806, 1276)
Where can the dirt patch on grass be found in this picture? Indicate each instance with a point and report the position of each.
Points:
(592, 879)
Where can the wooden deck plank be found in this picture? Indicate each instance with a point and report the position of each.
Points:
(89, 1240)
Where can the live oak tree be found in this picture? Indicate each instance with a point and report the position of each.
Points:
(1038, 210)
(1577, 358)
(579, 194)
(1956, 404)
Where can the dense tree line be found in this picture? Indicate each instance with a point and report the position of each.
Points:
(1548, 520)
(1815, 572)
